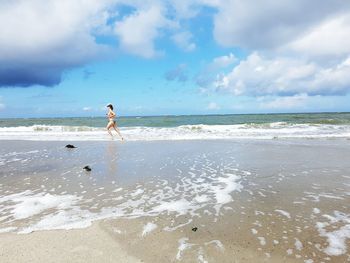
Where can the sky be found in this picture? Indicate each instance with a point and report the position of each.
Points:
(63, 58)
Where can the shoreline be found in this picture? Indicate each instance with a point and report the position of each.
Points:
(248, 140)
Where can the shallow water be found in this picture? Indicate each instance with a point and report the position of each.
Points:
(281, 200)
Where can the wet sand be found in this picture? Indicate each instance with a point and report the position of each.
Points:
(183, 201)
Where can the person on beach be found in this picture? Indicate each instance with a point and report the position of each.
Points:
(111, 121)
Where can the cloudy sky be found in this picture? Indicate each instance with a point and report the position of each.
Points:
(149, 57)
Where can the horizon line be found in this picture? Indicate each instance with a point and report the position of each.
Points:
(181, 115)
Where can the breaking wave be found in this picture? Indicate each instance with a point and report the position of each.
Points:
(272, 130)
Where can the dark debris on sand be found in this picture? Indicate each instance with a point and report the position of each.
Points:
(87, 168)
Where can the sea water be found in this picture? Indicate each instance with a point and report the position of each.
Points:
(186, 127)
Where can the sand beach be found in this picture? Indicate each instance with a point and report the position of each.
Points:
(175, 201)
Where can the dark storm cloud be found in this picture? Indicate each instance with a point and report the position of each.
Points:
(29, 76)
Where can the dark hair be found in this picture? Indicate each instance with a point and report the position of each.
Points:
(110, 106)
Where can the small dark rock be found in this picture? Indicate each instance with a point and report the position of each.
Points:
(70, 146)
(87, 168)
(194, 229)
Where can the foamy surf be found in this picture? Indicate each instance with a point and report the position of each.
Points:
(46, 206)
(184, 132)
(48, 211)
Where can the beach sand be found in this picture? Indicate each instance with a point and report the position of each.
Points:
(175, 201)
(91, 244)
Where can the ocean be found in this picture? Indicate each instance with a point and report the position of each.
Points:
(184, 127)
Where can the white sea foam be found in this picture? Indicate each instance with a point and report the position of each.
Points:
(316, 210)
(284, 213)
(254, 231)
(27, 204)
(181, 206)
(116, 230)
(201, 257)
(336, 238)
(184, 132)
(183, 245)
(298, 244)
(7, 229)
(149, 227)
(289, 251)
(217, 243)
(47, 211)
(170, 229)
(71, 219)
(137, 192)
(262, 241)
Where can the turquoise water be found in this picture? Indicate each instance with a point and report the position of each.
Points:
(174, 121)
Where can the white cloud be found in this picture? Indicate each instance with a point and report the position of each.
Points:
(270, 24)
(185, 9)
(138, 31)
(259, 76)
(289, 56)
(87, 109)
(284, 103)
(208, 73)
(223, 61)
(330, 38)
(32, 28)
(184, 41)
(41, 38)
(213, 106)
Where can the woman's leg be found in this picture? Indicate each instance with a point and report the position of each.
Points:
(117, 130)
(109, 126)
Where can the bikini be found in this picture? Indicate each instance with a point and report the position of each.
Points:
(111, 119)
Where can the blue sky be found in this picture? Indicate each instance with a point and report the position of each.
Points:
(71, 58)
